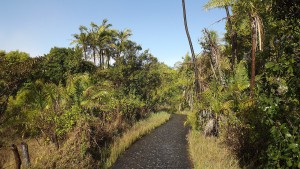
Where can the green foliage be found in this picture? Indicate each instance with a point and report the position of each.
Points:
(193, 121)
(280, 104)
(169, 94)
(217, 4)
(60, 63)
(62, 93)
(15, 69)
(16, 56)
(264, 132)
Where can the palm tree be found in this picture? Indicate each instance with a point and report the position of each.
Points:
(103, 37)
(197, 85)
(110, 45)
(93, 41)
(82, 40)
(122, 37)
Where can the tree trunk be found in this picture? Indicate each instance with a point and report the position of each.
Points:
(94, 55)
(233, 37)
(253, 55)
(197, 85)
(85, 55)
(103, 58)
(100, 58)
(25, 154)
(107, 62)
(17, 156)
(55, 140)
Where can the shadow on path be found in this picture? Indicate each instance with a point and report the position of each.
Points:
(165, 147)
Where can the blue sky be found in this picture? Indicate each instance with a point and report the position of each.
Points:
(35, 26)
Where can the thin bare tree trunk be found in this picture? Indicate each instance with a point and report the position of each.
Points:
(108, 58)
(102, 59)
(197, 85)
(94, 55)
(253, 55)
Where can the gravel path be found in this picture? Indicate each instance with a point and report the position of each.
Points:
(165, 147)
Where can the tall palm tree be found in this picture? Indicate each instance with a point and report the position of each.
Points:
(93, 40)
(103, 37)
(110, 45)
(122, 37)
(82, 40)
(197, 85)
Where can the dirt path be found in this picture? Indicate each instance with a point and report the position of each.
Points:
(165, 147)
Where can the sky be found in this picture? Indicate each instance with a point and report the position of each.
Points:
(35, 26)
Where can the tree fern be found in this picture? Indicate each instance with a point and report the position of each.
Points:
(218, 4)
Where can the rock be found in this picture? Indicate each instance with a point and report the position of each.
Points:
(211, 128)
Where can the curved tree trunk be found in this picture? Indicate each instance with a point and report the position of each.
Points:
(197, 85)
(17, 157)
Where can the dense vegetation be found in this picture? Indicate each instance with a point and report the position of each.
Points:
(94, 91)
(80, 99)
(250, 86)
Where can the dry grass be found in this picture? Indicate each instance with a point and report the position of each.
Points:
(4, 157)
(183, 112)
(138, 130)
(209, 153)
(37, 149)
(44, 155)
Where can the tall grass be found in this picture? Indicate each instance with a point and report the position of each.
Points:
(138, 130)
(208, 153)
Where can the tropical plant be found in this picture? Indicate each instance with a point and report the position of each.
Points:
(233, 35)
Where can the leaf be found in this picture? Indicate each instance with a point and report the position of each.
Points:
(293, 146)
(276, 68)
(289, 163)
(288, 135)
(269, 64)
